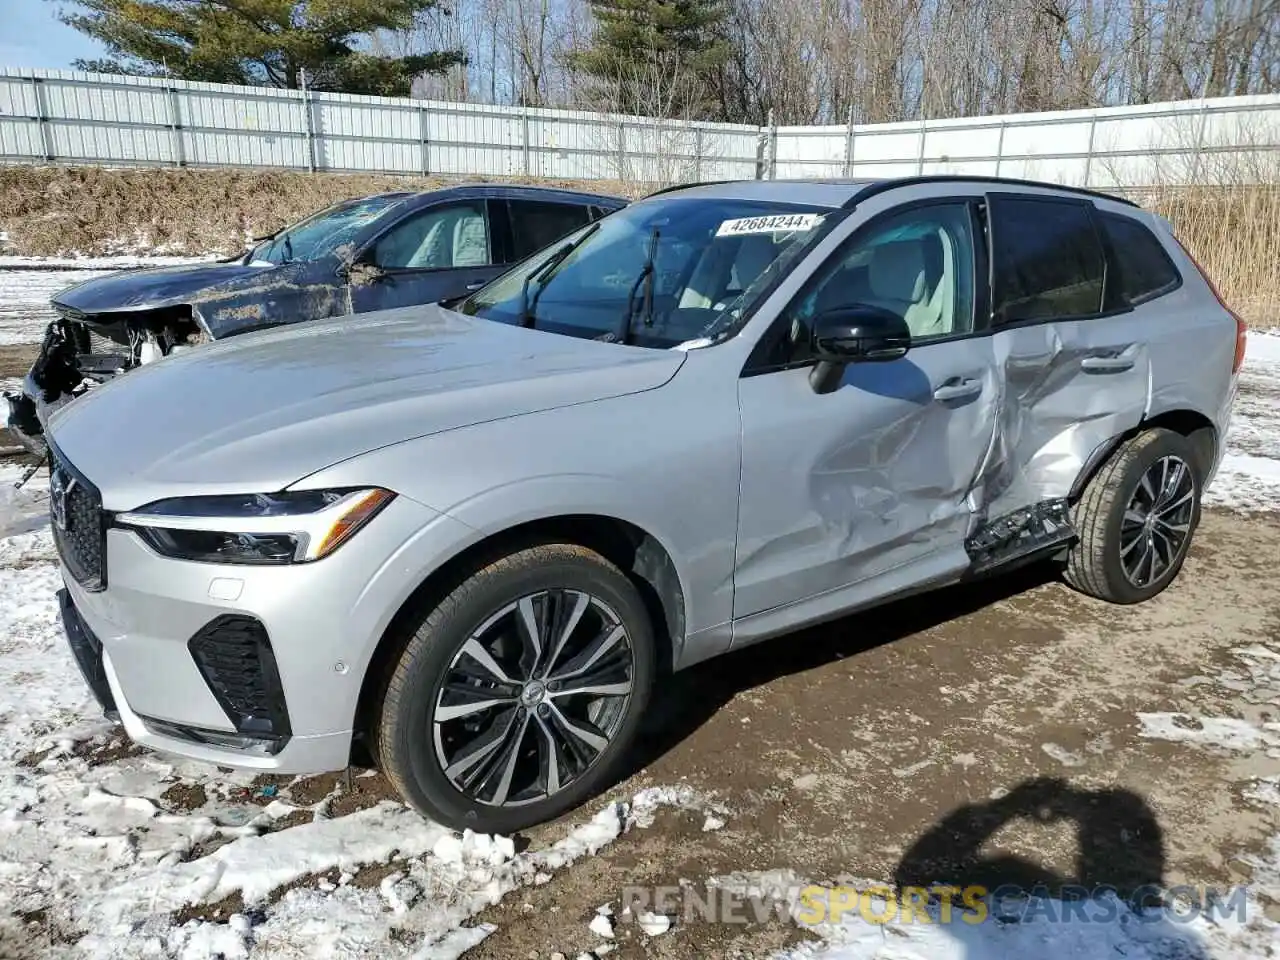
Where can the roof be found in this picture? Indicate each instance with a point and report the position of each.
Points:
(481, 188)
(847, 192)
(819, 193)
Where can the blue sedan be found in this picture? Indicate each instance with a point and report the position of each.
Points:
(374, 253)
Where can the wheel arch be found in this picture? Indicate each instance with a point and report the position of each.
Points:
(1195, 426)
(634, 550)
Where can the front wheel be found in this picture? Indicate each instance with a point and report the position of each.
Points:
(517, 694)
(1136, 518)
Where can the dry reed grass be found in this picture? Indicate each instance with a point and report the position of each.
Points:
(51, 211)
(1234, 231)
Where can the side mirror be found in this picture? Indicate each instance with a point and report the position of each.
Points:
(857, 334)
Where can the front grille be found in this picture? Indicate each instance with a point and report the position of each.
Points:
(234, 655)
(79, 524)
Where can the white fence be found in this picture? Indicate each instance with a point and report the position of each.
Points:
(64, 117)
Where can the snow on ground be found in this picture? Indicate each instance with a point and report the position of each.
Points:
(1036, 927)
(113, 262)
(24, 301)
(103, 847)
(27, 283)
(869, 927)
(1249, 475)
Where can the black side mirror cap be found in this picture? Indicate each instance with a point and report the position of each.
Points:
(856, 334)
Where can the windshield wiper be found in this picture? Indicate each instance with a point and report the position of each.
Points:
(528, 308)
(645, 278)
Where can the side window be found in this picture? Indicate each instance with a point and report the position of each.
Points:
(536, 224)
(918, 264)
(1143, 271)
(1046, 260)
(438, 238)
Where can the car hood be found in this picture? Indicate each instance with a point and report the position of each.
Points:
(261, 411)
(151, 287)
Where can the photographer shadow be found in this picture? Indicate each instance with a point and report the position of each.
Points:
(1107, 907)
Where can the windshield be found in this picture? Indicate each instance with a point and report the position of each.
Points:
(321, 234)
(658, 273)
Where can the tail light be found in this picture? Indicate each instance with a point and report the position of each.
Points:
(1242, 329)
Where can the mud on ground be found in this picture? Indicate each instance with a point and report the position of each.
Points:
(984, 734)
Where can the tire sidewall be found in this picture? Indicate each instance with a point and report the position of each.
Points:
(1164, 443)
(413, 745)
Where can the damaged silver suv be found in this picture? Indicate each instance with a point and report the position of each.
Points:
(467, 543)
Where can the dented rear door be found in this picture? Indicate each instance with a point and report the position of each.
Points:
(1073, 374)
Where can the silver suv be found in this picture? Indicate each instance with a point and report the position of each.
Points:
(467, 543)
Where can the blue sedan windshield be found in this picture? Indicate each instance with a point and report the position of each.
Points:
(319, 235)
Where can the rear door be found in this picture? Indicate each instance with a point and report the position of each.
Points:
(1073, 357)
(439, 253)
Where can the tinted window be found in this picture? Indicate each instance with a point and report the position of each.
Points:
(1047, 260)
(1142, 269)
(536, 224)
(438, 238)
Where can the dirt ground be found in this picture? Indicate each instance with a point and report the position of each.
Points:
(918, 743)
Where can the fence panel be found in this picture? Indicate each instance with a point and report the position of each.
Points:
(71, 117)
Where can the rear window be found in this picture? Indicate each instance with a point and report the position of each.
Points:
(1143, 270)
(538, 223)
(1048, 260)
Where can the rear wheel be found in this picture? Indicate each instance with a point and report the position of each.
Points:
(1136, 518)
(517, 695)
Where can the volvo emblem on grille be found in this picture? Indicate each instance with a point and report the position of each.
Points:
(59, 488)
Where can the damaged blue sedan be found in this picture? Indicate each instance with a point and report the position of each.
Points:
(373, 253)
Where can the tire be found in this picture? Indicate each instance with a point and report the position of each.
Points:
(1117, 558)
(451, 757)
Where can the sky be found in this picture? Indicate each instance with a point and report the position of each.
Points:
(32, 36)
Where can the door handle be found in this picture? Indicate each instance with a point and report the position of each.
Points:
(474, 286)
(1106, 364)
(958, 390)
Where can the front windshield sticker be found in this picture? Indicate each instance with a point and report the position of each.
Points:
(779, 223)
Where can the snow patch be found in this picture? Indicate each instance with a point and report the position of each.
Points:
(601, 926)
(1040, 928)
(93, 835)
(653, 924)
(1248, 477)
(111, 262)
(1226, 733)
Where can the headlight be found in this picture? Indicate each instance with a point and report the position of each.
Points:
(260, 528)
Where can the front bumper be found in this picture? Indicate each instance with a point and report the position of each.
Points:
(86, 650)
(28, 409)
(136, 642)
(27, 414)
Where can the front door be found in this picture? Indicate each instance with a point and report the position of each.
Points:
(440, 253)
(875, 476)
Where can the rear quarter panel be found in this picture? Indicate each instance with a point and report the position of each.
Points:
(1192, 341)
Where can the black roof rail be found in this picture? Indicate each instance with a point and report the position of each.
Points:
(687, 186)
(880, 186)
